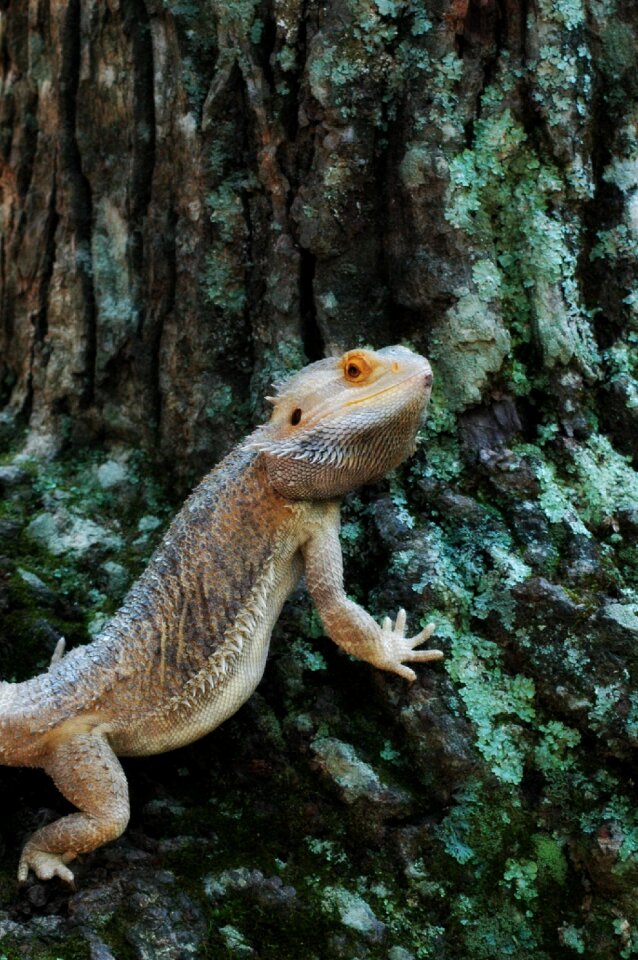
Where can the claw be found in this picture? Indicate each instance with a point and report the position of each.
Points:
(405, 672)
(422, 656)
(45, 866)
(398, 648)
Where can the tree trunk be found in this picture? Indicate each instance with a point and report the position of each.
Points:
(200, 197)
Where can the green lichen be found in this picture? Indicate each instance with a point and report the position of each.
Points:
(606, 482)
(224, 277)
(503, 193)
(495, 701)
(521, 876)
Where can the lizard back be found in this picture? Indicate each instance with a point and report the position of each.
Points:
(183, 628)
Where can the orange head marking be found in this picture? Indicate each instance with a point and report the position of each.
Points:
(358, 366)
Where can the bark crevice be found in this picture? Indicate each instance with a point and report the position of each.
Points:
(137, 27)
(81, 201)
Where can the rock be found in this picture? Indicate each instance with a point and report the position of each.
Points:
(355, 780)
(551, 598)
(618, 624)
(149, 523)
(235, 942)
(397, 953)
(622, 618)
(117, 577)
(390, 522)
(628, 522)
(582, 555)
(354, 913)
(12, 476)
(96, 904)
(64, 532)
(111, 474)
(532, 529)
(165, 923)
(621, 412)
(489, 428)
(9, 530)
(98, 950)
(40, 445)
(38, 587)
(51, 928)
(266, 891)
(441, 740)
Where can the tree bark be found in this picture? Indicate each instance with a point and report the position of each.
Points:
(197, 198)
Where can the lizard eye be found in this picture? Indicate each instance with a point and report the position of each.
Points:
(356, 368)
(296, 417)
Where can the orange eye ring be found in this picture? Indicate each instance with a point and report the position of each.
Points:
(356, 369)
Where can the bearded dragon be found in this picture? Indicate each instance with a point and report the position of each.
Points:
(189, 644)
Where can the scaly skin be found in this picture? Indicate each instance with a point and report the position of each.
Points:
(189, 645)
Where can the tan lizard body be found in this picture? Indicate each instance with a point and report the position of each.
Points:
(189, 644)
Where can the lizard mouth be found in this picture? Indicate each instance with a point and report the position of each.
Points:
(393, 386)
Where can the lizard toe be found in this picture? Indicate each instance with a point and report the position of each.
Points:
(45, 866)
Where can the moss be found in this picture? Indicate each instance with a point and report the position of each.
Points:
(618, 60)
(71, 596)
(502, 192)
(504, 931)
(277, 364)
(225, 270)
(72, 947)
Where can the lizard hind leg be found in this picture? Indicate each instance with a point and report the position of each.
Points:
(87, 772)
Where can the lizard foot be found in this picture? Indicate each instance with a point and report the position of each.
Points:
(44, 865)
(397, 647)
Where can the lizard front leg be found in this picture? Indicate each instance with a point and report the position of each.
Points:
(348, 624)
(87, 772)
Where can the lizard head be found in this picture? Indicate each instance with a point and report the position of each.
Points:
(345, 421)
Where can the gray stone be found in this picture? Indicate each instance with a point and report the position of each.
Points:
(265, 891)
(97, 948)
(37, 586)
(235, 941)
(354, 913)
(617, 623)
(12, 476)
(64, 532)
(167, 924)
(355, 779)
(111, 474)
(399, 953)
(621, 616)
(148, 523)
(117, 577)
